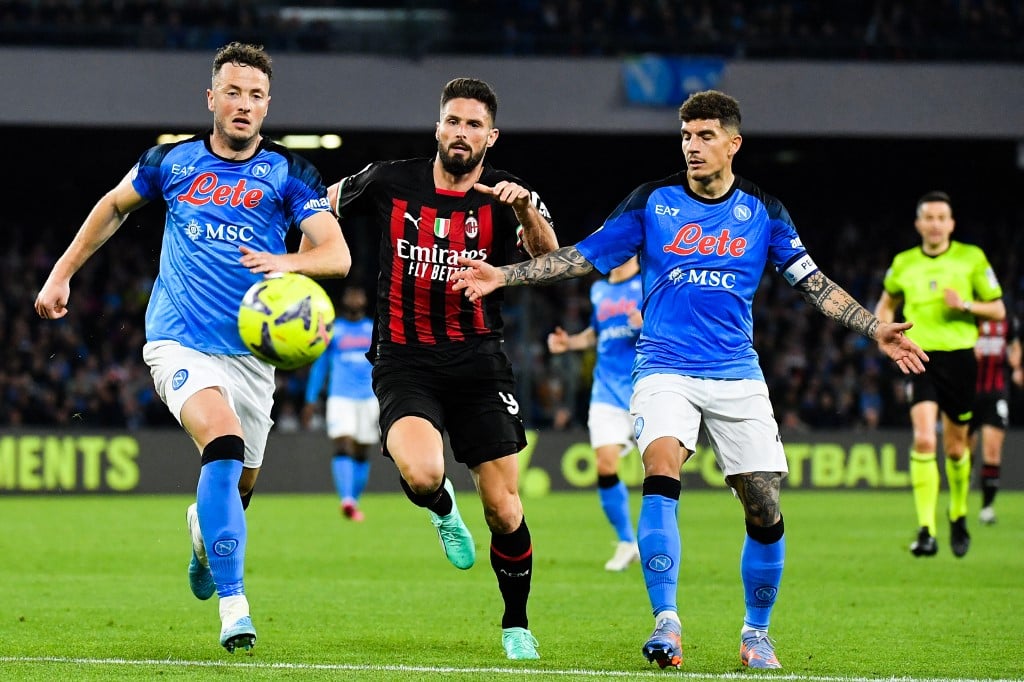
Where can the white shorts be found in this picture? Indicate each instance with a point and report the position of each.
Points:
(610, 425)
(736, 416)
(245, 381)
(358, 419)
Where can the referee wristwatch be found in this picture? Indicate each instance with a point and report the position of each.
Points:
(966, 306)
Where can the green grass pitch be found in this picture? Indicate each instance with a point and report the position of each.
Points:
(94, 588)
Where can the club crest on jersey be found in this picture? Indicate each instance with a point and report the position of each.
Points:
(442, 226)
(741, 213)
(472, 227)
(261, 170)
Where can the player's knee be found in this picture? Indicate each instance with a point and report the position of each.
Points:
(503, 516)
(422, 481)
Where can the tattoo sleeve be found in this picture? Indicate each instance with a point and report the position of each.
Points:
(561, 264)
(835, 303)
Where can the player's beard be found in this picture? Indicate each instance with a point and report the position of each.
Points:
(235, 141)
(456, 166)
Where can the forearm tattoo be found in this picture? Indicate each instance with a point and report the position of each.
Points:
(561, 264)
(759, 493)
(834, 302)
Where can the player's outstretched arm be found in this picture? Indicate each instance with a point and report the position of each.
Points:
(102, 222)
(560, 341)
(480, 278)
(833, 301)
(323, 251)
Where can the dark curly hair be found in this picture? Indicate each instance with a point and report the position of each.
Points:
(243, 54)
(711, 105)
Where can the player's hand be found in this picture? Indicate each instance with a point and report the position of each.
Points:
(52, 301)
(261, 262)
(515, 195)
(478, 279)
(558, 341)
(635, 319)
(907, 355)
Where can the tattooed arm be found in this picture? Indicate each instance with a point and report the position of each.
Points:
(835, 303)
(480, 279)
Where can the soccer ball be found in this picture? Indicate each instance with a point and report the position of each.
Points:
(286, 320)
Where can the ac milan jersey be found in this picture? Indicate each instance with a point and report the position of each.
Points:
(701, 261)
(994, 338)
(344, 362)
(423, 232)
(616, 339)
(215, 205)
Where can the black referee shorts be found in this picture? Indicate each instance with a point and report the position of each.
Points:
(949, 380)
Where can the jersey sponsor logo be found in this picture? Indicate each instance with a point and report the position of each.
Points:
(182, 170)
(261, 170)
(222, 232)
(206, 189)
(319, 204)
(472, 227)
(660, 209)
(609, 308)
(433, 262)
(690, 239)
(704, 278)
(741, 213)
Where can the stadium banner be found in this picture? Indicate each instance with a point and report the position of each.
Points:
(165, 461)
(659, 81)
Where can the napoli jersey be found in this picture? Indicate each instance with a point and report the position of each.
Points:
(214, 206)
(616, 339)
(701, 261)
(344, 362)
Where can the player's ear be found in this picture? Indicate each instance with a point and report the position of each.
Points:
(209, 99)
(492, 137)
(437, 131)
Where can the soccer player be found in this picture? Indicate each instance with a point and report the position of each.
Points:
(231, 195)
(703, 237)
(352, 409)
(998, 348)
(438, 360)
(615, 321)
(945, 286)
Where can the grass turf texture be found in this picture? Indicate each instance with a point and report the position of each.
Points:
(88, 581)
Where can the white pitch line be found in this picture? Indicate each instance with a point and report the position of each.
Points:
(575, 672)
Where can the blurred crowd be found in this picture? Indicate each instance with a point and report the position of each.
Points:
(86, 370)
(844, 29)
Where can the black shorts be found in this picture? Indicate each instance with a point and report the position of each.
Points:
(948, 380)
(991, 409)
(464, 389)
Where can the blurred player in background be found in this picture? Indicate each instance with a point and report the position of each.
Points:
(438, 360)
(998, 352)
(615, 321)
(218, 391)
(945, 286)
(352, 411)
(704, 238)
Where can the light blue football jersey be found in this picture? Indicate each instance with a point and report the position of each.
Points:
(616, 339)
(344, 362)
(701, 261)
(214, 206)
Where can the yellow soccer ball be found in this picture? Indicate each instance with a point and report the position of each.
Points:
(286, 320)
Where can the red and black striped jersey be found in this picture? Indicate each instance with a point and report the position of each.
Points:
(993, 340)
(423, 231)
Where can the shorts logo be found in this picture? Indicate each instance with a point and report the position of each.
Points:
(659, 563)
(179, 379)
(224, 547)
(510, 400)
(741, 213)
(638, 427)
